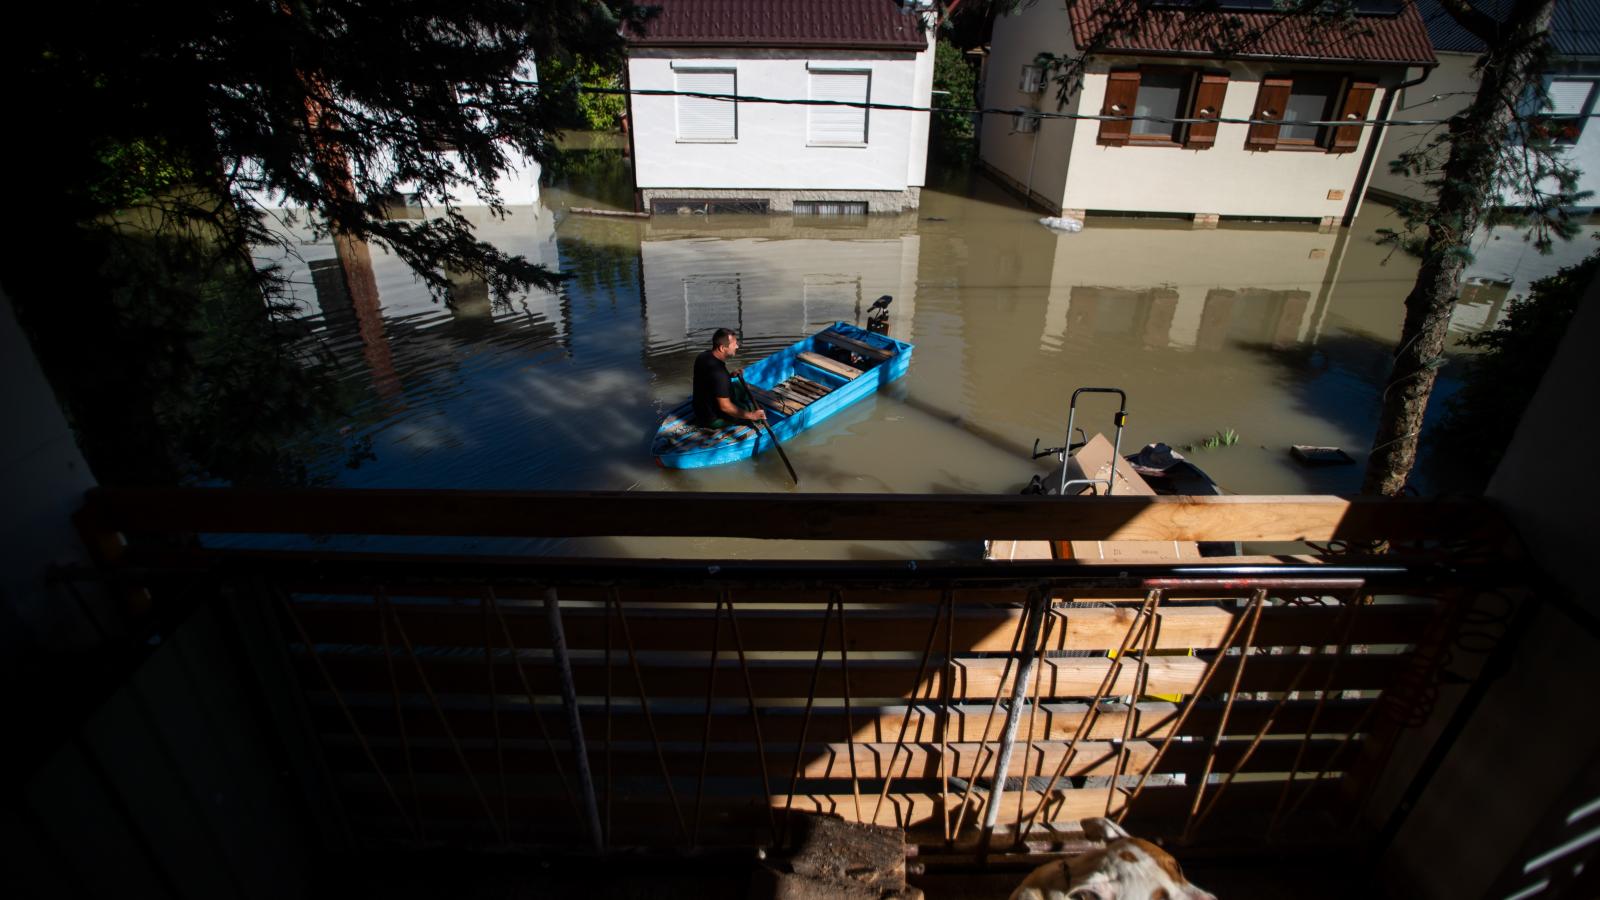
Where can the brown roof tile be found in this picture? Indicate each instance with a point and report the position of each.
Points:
(852, 24)
(1163, 29)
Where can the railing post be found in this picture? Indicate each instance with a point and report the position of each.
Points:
(1038, 604)
(569, 700)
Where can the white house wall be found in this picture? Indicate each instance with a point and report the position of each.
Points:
(1448, 90)
(772, 151)
(1226, 179)
(1017, 40)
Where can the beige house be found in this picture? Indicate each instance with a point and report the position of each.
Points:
(1292, 73)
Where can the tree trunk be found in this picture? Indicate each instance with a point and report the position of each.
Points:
(1477, 136)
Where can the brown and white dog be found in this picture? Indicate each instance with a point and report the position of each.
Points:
(1126, 869)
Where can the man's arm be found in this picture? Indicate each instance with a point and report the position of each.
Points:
(733, 413)
(728, 408)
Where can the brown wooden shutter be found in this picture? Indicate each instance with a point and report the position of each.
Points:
(1208, 94)
(1357, 100)
(1122, 92)
(1271, 101)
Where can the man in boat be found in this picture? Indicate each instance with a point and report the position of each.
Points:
(714, 390)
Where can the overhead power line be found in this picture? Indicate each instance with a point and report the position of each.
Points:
(1033, 113)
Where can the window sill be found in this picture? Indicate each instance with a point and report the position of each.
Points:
(1301, 148)
(1136, 142)
(831, 144)
(707, 140)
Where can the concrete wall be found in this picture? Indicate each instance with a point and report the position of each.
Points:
(1449, 89)
(149, 771)
(1533, 734)
(772, 151)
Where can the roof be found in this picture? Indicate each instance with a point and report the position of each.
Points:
(1574, 27)
(844, 24)
(1393, 35)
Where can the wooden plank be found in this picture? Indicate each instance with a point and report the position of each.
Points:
(808, 387)
(972, 679)
(786, 516)
(781, 726)
(977, 630)
(833, 760)
(774, 403)
(877, 354)
(1159, 807)
(828, 365)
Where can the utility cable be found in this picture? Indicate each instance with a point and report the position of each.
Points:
(1032, 113)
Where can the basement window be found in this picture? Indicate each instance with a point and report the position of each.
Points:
(830, 207)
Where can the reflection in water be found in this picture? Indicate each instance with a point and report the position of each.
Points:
(1280, 333)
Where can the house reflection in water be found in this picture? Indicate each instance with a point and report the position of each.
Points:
(1200, 290)
(774, 279)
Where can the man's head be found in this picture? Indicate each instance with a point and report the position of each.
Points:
(724, 343)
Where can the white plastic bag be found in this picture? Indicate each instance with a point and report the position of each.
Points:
(1061, 223)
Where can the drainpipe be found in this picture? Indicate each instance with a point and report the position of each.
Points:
(1376, 139)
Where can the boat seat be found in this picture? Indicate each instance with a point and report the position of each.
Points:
(867, 351)
(829, 365)
(775, 403)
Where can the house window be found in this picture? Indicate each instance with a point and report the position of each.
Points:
(1285, 105)
(1573, 98)
(704, 118)
(1162, 93)
(1310, 100)
(835, 124)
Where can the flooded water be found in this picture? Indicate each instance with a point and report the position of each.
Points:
(1281, 334)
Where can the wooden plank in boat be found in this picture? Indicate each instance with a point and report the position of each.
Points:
(855, 346)
(774, 402)
(810, 387)
(792, 395)
(829, 365)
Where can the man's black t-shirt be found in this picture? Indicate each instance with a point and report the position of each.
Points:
(711, 381)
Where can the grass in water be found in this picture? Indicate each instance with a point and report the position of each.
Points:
(1226, 437)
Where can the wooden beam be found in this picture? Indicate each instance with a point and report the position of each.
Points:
(780, 726)
(1164, 805)
(872, 760)
(787, 516)
(972, 679)
(977, 630)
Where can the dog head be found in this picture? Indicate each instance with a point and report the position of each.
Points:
(1127, 868)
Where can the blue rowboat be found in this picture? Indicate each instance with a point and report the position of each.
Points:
(799, 387)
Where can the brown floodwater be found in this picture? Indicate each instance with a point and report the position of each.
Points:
(1278, 333)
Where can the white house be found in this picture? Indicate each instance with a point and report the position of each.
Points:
(697, 154)
(1571, 86)
(1167, 66)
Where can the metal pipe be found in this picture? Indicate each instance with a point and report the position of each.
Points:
(569, 700)
(1038, 604)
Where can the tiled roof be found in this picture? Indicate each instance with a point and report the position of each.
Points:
(1169, 29)
(847, 24)
(1574, 27)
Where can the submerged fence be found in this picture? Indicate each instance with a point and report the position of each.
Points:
(479, 701)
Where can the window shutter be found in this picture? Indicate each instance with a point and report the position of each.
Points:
(1122, 92)
(1208, 96)
(1357, 100)
(839, 124)
(701, 118)
(1270, 103)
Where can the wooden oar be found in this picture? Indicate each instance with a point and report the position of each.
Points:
(770, 432)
